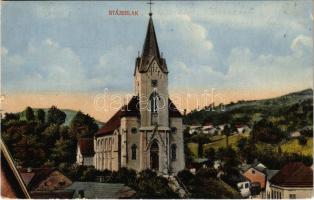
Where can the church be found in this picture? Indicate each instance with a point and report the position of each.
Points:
(147, 132)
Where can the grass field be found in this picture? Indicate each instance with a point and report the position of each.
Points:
(292, 146)
(233, 140)
(194, 149)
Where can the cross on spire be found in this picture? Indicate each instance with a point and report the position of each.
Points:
(150, 7)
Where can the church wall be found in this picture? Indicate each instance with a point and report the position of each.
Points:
(177, 139)
(104, 155)
(130, 138)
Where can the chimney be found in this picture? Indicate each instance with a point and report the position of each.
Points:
(29, 169)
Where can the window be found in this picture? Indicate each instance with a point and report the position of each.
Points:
(292, 196)
(154, 83)
(253, 171)
(173, 130)
(134, 130)
(154, 107)
(173, 152)
(134, 147)
(153, 102)
(246, 185)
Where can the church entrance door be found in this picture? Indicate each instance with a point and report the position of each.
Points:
(154, 156)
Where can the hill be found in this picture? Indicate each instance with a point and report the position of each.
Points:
(295, 110)
(69, 115)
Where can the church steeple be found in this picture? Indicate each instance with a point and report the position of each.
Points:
(150, 47)
(150, 51)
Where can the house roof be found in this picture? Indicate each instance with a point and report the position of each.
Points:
(86, 146)
(130, 110)
(294, 174)
(12, 185)
(34, 177)
(270, 173)
(54, 194)
(94, 190)
(256, 165)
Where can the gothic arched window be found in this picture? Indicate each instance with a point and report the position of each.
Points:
(154, 107)
(173, 152)
(154, 101)
(134, 147)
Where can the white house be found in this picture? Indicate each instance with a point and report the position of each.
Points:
(85, 152)
(293, 181)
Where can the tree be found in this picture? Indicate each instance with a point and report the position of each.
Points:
(29, 114)
(242, 143)
(41, 115)
(210, 153)
(227, 133)
(83, 125)
(265, 131)
(63, 151)
(302, 140)
(56, 116)
(200, 139)
(29, 152)
(11, 116)
(151, 186)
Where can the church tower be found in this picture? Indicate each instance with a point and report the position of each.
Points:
(147, 133)
(151, 81)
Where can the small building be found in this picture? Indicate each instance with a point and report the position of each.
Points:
(244, 186)
(269, 174)
(294, 134)
(195, 128)
(256, 174)
(209, 130)
(85, 152)
(242, 128)
(293, 181)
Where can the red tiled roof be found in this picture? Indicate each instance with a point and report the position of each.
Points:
(86, 146)
(132, 109)
(27, 177)
(39, 175)
(294, 174)
(173, 111)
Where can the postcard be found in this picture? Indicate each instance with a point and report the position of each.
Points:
(157, 99)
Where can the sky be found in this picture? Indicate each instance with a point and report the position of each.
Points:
(256, 48)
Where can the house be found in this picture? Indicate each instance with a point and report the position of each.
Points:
(194, 129)
(256, 174)
(41, 179)
(244, 186)
(95, 190)
(269, 174)
(294, 180)
(85, 152)
(209, 131)
(12, 185)
(242, 128)
(294, 134)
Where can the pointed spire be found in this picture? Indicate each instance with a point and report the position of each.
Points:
(150, 47)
